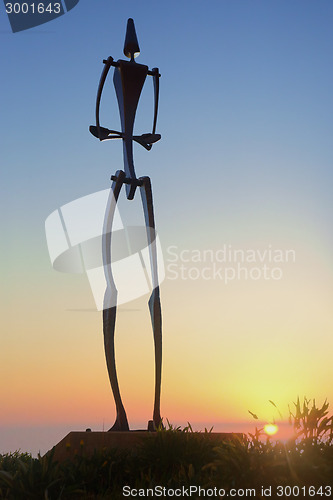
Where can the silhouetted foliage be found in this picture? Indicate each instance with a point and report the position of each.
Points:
(175, 457)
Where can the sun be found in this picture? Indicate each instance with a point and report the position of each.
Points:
(271, 429)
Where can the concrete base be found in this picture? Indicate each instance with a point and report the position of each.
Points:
(85, 443)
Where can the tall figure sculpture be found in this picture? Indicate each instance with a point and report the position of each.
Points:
(129, 78)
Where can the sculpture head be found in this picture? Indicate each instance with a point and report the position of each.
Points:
(131, 45)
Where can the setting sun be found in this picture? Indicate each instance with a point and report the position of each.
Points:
(271, 429)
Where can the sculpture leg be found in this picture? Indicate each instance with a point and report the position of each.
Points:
(110, 304)
(154, 301)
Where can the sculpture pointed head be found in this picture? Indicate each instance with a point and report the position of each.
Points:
(131, 46)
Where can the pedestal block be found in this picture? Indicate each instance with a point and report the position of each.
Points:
(86, 443)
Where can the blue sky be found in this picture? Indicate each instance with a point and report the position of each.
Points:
(245, 159)
(245, 99)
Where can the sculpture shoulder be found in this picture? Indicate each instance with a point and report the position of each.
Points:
(121, 64)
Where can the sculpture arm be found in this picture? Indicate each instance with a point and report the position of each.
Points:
(147, 140)
(156, 75)
(100, 132)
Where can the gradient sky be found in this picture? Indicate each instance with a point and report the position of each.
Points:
(245, 160)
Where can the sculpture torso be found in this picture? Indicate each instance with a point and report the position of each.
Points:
(129, 78)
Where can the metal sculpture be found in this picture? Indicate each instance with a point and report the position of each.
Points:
(129, 78)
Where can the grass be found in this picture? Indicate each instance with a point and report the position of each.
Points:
(175, 457)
